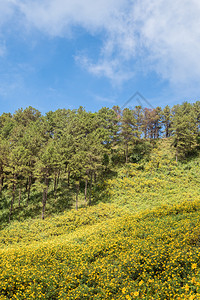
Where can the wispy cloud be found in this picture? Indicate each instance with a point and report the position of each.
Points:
(155, 36)
(104, 99)
(111, 69)
(58, 17)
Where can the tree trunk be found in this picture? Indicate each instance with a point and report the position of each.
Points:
(44, 198)
(12, 201)
(86, 184)
(29, 189)
(77, 192)
(55, 186)
(126, 153)
(56, 180)
(167, 130)
(90, 190)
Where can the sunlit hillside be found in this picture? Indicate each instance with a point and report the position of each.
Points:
(143, 243)
(159, 181)
(151, 255)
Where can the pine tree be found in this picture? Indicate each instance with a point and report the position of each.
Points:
(129, 131)
(185, 130)
(166, 120)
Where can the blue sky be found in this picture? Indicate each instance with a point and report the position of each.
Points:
(63, 54)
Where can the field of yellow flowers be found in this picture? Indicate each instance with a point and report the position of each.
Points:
(144, 244)
(150, 255)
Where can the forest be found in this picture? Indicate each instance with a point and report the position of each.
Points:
(68, 153)
(100, 205)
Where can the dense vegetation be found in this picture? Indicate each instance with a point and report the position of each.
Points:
(55, 162)
(144, 244)
(141, 238)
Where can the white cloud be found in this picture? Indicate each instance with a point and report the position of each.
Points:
(56, 17)
(157, 35)
(110, 69)
(6, 11)
(170, 34)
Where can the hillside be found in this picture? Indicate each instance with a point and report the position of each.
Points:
(61, 160)
(142, 244)
(159, 181)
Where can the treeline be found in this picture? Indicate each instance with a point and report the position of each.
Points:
(78, 148)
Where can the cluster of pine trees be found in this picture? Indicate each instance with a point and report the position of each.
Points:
(79, 148)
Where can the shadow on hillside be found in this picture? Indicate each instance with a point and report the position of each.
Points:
(33, 209)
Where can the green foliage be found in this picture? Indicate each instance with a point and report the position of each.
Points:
(143, 243)
(141, 151)
(166, 120)
(64, 158)
(161, 180)
(185, 129)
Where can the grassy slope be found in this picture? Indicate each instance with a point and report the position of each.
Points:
(142, 245)
(161, 181)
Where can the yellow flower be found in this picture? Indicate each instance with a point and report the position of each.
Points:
(136, 294)
(124, 290)
(141, 282)
(193, 280)
(187, 287)
(194, 266)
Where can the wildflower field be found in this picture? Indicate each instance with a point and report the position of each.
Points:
(143, 244)
(151, 255)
